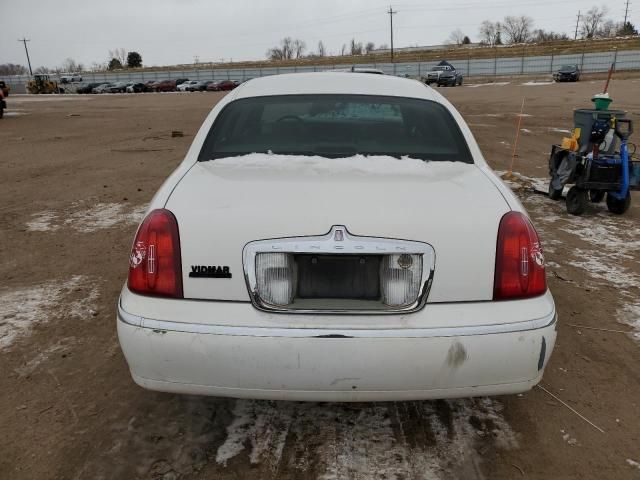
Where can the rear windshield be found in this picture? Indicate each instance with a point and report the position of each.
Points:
(336, 126)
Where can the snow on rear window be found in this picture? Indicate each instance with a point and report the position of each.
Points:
(336, 126)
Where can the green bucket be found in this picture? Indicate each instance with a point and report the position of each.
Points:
(602, 103)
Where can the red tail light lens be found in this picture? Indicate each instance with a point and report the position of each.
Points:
(519, 260)
(155, 267)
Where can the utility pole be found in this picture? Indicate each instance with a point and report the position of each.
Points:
(626, 13)
(575, 37)
(25, 40)
(391, 13)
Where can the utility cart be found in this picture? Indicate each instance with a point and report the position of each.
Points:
(602, 165)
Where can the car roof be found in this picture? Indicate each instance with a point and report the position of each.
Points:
(334, 83)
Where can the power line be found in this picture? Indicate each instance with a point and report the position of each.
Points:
(391, 13)
(25, 40)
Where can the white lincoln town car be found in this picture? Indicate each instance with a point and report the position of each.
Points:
(336, 237)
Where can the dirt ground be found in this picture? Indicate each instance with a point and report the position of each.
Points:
(75, 175)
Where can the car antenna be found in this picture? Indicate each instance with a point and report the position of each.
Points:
(515, 143)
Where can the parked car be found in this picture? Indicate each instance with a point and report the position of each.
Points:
(213, 87)
(567, 73)
(139, 88)
(70, 78)
(180, 81)
(434, 75)
(449, 78)
(185, 86)
(88, 87)
(118, 87)
(335, 237)
(200, 86)
(151, 84)
(103, 88)
(223, 85)
(165, 86)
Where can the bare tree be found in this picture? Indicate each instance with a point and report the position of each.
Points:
(322, 51)
(43, 70)
(119, 54)
(356, 47)
(343, 50)
(98, 67)
(384, 46)
(369, 47)
(490, 33)
(12, 69)
(284, 52)
(541, 35)
(517, 28)
(298, 47)
(591, 21)
(456, 38)
(70, 66)
(608, 29)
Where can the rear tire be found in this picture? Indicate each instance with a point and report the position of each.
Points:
(577, 200)
(618, 206)
(553, 193)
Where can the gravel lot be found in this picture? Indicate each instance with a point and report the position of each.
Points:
(76, 173)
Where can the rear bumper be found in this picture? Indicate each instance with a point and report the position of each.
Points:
(336, 364)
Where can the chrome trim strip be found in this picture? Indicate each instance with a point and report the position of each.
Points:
(199, 328)
(339, 241)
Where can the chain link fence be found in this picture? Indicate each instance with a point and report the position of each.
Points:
(592, 62)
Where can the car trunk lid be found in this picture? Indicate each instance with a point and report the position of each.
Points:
(222, 205)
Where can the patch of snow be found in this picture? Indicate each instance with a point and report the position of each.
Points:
(491, 84)
(633, 463)
(525, 130)
(518, 180)
(559, 130)
(262, 426)
(534, 83)
(619, 239)
(601, 267)
(356, 442)
(101, 215)
(21, 309)
(568, 438)
(15, 114)
(523, 115)
(46, 98)
(316, 165)
(32, 365)
(42, 222)
(96, 217)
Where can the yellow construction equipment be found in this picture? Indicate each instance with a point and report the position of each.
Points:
(41, 83)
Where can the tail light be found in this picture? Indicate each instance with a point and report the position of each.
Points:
(154, 265)
(519, 260)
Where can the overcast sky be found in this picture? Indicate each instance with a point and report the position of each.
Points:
(175, 31)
